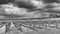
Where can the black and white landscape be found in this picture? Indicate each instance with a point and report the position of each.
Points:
(29, 16)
